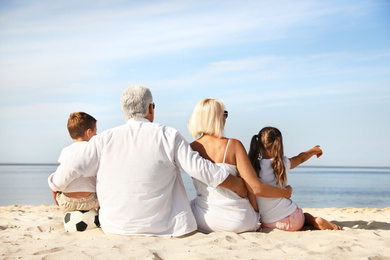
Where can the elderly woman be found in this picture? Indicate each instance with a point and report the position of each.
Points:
(219, 209)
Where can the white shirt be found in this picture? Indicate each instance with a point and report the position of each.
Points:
(220, 209)
(273, 209)
(139, 185)
(87, 184)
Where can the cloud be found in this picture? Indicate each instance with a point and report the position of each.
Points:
(51, 42)
(246, 64)
(282, 73)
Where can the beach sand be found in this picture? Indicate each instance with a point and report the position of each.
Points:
(37, 232)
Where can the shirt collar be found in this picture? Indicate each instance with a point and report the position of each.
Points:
(139, 120)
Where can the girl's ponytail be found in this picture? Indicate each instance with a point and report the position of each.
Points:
(253, 154)
(271, 141)
(277, 163)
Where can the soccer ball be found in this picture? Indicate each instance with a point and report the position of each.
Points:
(81, 220)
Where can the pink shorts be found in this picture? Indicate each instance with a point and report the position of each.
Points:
(294, 222)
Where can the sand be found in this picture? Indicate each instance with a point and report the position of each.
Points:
(37, 232)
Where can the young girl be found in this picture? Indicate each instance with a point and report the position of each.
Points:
(272, 168)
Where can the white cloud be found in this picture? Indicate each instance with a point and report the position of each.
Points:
(48, 42)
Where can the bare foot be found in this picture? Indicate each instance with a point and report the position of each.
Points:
(323, 224)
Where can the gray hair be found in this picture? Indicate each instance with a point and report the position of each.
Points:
(135, 101)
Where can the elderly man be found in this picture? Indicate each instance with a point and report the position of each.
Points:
(139, 185)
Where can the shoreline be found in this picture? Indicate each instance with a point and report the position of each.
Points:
(37, 232)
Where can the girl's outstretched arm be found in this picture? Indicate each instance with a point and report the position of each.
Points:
(304, 156)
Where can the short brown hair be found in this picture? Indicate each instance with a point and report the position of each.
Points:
(78, 123)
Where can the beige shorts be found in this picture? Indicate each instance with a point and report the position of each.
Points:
(294, 222)
(70, 204)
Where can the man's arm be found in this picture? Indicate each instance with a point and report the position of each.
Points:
(54, 193)
(204, 170)
(235, 184)
(83, 163)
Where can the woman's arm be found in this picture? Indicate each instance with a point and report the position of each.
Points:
(251, 180)
(304, 156)
(253, 202)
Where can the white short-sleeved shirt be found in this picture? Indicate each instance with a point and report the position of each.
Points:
(82, 184)
(139, 184)
(273, 209)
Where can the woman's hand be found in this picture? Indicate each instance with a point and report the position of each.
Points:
(289, 190)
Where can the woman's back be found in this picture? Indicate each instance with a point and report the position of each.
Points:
(214, 149)
(219, 209)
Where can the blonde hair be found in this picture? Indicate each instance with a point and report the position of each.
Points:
(207, 118)
(269, 138)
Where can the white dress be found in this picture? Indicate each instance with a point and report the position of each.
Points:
(220, 209)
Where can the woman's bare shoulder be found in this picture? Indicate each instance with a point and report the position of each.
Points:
(235, 143)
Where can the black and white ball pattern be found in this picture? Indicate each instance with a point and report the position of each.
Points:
(81, 220)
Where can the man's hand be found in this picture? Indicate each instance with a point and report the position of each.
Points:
(235, 184)
(54, 193)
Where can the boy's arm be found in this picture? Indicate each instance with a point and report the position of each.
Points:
(304, 156)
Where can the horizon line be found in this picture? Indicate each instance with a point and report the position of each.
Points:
(299, 166)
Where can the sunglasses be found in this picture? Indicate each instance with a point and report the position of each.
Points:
(153, 105)
(225, 114)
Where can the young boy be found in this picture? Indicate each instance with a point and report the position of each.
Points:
(80, 194)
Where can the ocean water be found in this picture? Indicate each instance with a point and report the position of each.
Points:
(313, 187)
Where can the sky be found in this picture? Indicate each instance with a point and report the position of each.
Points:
(317, 70)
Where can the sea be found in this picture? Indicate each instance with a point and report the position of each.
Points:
(313, 186)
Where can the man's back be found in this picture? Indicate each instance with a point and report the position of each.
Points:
(139, 187)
